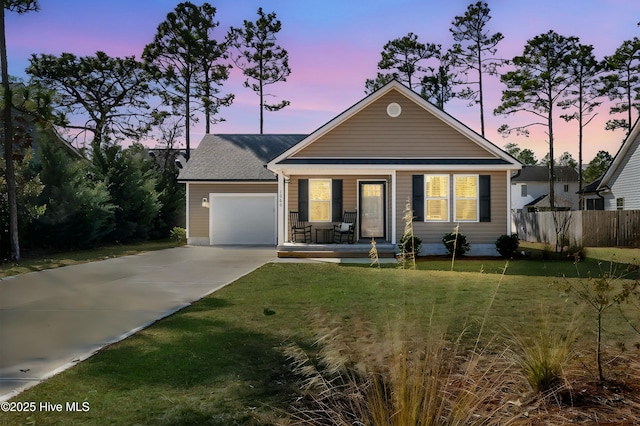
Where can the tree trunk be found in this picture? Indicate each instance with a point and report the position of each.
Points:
(552, 174)
(261, 98)
(187, 119)
(480, 88)
(8, 145)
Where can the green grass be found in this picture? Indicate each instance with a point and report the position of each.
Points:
(40, 261)
(220, 361)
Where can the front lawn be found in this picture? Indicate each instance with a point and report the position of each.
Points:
(221, 361)
(38, 261)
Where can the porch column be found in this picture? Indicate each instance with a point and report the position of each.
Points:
(393, 207)
(509, 213)
(281, 210)
(285, 210)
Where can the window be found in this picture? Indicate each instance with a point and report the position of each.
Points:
(620, 203)
(566, 187)
(437, 198)
(466, 198)
(320, 200)
(523, 190)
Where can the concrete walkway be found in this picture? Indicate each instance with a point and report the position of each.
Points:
(52, 319)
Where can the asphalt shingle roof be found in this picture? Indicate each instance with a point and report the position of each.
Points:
(541, 174)
(236, 157)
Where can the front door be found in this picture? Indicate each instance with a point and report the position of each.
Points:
(372, 209)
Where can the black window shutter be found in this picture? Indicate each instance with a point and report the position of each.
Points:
(485, 198)
(303, 199)
(336, 200)
(417, 197)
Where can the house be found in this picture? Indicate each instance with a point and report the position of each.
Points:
(530, 188)
(593, 200)
(390, 149)
(618, 186)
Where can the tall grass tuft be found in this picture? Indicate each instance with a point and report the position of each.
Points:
(544, 358)
(353, 376)
(373, 254)
(409, 243)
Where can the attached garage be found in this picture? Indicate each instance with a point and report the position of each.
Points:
(242, 219)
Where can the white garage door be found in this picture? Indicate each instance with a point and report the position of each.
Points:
(242, 219)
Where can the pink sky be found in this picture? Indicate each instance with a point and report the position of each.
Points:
(334, 47)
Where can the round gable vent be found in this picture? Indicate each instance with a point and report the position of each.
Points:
(394, 109)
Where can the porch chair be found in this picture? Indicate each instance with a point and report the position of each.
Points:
(299, 227)
(346, 229)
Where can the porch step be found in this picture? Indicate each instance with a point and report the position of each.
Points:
(385, 250)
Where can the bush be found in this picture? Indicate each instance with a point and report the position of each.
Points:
(410, 244)
(179, 235)
(456, 243)
(507, 245)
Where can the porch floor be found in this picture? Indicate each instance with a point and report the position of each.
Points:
(385, 250)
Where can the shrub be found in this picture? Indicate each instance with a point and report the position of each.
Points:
(456, 243)
(410, 244)
(507, 245)
(179, 235)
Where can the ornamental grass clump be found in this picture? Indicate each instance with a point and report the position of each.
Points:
(353, 376)
(543, 359)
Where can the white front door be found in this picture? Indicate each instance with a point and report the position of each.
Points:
(372, 209)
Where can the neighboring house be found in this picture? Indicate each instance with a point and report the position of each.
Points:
(592, 199)
(28, 135)
(389, 149)
(530, 188)
(619, 184)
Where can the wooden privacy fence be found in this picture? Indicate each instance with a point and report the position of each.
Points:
(592, 228)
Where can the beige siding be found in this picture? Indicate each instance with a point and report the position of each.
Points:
(477, 233)
(349, 196)
(199, 216)
(414, 134)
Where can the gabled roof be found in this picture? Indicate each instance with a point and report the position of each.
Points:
(543, 202)
(236, 157)
(541, 174)
(592, 187)
(624, 151)
(503, 158)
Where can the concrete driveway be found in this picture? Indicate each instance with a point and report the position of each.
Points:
(52, 319)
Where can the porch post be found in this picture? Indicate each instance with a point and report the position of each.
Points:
(393, 207)
(509, 218)
(281, 209)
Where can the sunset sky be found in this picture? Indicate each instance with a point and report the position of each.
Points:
(334, 47)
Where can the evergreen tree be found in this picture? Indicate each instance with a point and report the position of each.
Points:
(404, 59)
(585, 93)
(622, 83)
(539, 82)
(132, 189)
(597, 166)
(474, 51)
(79, 212)
(260, 59)
(187, 62)
(111, 94)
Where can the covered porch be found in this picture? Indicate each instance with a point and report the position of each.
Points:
(325, 202)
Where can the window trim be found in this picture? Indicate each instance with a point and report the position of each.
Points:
(477, 198)
(330, 200)
(427, 198)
